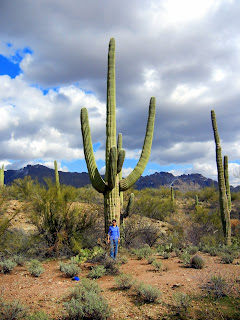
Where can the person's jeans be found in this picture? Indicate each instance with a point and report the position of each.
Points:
(114, 248)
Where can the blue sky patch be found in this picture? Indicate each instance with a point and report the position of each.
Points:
(8, 67)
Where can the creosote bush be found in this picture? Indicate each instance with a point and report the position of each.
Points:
(182, 302)
(151, 259)
(228, 258)
(12, 310)
(7, 265)
(97, 272)
(217, 286)
(158, 266)
(70, 269)
(124, 281)
(86, 303)
(197, 262)
(35, 268)
(186, 258)
(143, 253)
(148, 293)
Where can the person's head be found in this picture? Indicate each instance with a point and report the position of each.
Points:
(114, 222)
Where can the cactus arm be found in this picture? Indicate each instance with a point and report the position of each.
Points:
(126, 183)
(95, 177)
(111, 104)
(121, 157)
(225, 215)
(130, 205)
(226, 177)
(112, 173)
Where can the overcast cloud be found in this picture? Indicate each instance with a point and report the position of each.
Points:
(185, 53)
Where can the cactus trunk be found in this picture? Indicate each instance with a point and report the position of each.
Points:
(223, 201)
(113, 185)
(57, 177)
(2, 176)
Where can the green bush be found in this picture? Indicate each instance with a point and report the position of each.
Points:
(110, 265)
(19, 259)
(213, 251)
(86, 303)
(151, 259)
(157, 265)
(192, 249)
(7, 265)
(142, 253)
(228, 258)
(124, 281)
(182, 302)
(97, 272)
(166, 255)
(38, 315)
(217, 286)
(197, 262)
(186, 258)
(35, 268)
(122, 260)
(148, 293)
(70, 269)
(12, 310)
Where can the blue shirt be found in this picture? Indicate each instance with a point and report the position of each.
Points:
(113, 232)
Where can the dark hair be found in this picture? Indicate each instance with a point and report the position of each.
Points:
(114, 220)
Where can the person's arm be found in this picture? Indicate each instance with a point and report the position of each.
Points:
(118, 234)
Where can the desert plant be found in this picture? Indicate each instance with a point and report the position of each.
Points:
(151, 259)
(197, 262)
(70, 269)
(217, 286)
(7, 265)
(186, 258)
(19, 259)
(122, 260)
(12, 310)
(35, 268)
(110, 265)
(143, 253)
(222, 183)
(228, 258)
(148, 293)
(86, 303)
(97, 272)
(166, 255)
(213, 251)
(182, 302)
(158, 266)
(124, 281)
(2, 176)
(38, 315)
(113, 185)
(56, 177)
(192, 249)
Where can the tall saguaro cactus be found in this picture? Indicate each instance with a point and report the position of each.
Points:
(223, 200)
(56, 177)
(113, 184)
(2, 176)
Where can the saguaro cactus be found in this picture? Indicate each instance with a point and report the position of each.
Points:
(113, 185)
(2, 176)
(223, 201)
(56, 177)
(226, 177)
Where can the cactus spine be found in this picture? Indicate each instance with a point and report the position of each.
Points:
(56, 177)
(113, 185)
(2, 176)
(223, 201)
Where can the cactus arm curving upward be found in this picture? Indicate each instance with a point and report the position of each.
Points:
(126, 183)
(226, 177)
(95, 177)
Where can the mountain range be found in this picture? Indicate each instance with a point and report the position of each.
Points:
(185, 182)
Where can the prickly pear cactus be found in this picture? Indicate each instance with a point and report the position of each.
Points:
(113, 184)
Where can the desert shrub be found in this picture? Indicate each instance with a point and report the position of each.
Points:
(186, 258)
(217, 286)
(192, 249)
(213, 251)
(12, 310)
(110, 265)
(197, 262)
(151, 259)
(86, 303)
(122, 260)
(158, 266)
(142, 253)
(97, 272)
(124, 281)
(35, 268)
(7, 265)
(177, 252)
(70, 269)
(19, 259)
(166, 255)
(182, 302)
(148, 293)
(38, 315)
(227, 258)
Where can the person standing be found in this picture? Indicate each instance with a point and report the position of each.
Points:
(114, 238)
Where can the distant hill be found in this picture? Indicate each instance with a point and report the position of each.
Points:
(185, 182)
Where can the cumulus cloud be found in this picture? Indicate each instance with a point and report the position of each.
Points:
(184, 53)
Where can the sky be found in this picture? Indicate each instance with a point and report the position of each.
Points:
(53, 62)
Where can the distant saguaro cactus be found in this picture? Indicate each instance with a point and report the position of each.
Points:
(56, 177)
(172, 194)
(2, 176)
(113, 185)
(223, 201)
